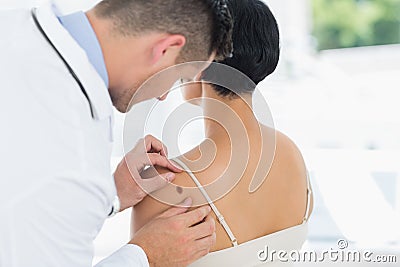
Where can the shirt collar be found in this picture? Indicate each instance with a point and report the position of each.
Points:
(78, 25)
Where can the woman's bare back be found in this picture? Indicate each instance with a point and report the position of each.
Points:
(279, 203)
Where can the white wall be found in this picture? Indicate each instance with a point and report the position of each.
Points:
(294, 20)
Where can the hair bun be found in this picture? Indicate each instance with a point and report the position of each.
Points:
(222, 36)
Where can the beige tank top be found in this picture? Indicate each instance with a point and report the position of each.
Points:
(260, 251)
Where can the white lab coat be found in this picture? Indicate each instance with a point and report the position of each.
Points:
(56, 187)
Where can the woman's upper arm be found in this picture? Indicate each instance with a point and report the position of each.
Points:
(145, 211)
(159, 201)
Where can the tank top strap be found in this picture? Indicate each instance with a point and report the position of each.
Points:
(309, 193)
(219, 216)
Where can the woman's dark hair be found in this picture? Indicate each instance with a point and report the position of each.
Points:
(256, 46)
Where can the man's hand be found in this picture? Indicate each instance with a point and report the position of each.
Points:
(176, 238)
(131, 188)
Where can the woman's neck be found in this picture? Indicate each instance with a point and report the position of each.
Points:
(227, 118)
(233, 135)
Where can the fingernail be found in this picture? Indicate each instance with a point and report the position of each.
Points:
(170, 177)
(187, 202)
(208, 209)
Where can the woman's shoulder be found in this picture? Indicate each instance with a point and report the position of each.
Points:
(288, 157)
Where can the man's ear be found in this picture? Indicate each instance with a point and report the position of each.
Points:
(168, 48)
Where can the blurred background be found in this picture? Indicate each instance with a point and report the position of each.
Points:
(336, 94)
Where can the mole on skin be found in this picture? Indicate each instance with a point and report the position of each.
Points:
(179, 189)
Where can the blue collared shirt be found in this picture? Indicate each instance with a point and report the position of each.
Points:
(78, 25)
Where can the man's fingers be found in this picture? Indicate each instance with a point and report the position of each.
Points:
(154, 159)
(205, 244)
(155, 183)
(182, 208)
(200, 255)
(150, 144)
(195, 216)
(153, 145)
(204, 229)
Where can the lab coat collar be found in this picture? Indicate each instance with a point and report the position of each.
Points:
(78, 61)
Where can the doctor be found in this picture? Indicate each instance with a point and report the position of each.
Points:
(60, 76)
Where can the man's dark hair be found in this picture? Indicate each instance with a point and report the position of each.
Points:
(256, 47)
(206, 24)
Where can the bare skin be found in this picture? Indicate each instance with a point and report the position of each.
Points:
(278, 204)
